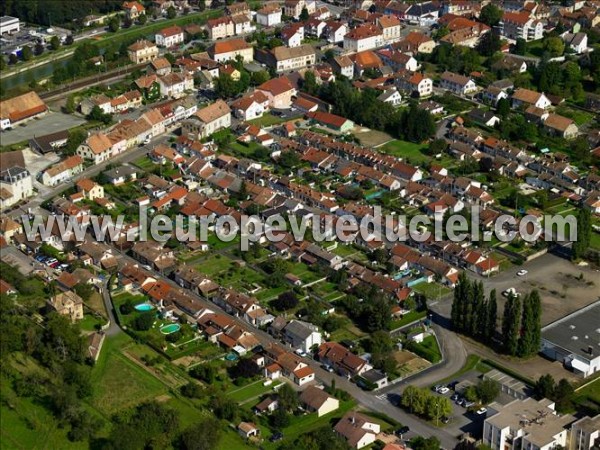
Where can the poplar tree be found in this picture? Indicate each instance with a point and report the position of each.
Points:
(511, 324)
(529, 341)
(457, 314)
(491, 317)
(478, 320)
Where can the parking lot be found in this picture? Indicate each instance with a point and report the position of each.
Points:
(50, 123)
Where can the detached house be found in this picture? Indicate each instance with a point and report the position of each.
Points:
(561, 126)
(363, 37)
(527, 97)
(169, 37)
(269, 15)
(284, 59)
(390, 28)
(293, 8)
(358, 430)
(302, 335)
(458, 84)
(133, 9)
(279, 91)
(251, 106)
(207, 121)
(220, 28)
(317, 400)
(230, 50)
(67, 304)
(142, 51)
(415, 83)
(175, 84)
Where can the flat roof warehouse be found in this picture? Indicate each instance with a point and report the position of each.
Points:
(577, 333)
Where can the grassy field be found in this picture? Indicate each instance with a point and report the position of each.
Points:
(407, 151)
(268, 120)
(119, 382)
(24, 424)
(252, 390)
(428, 349)
(432, 290)
(310, 422)
(591, 391)
(580, 117)
(407, 318)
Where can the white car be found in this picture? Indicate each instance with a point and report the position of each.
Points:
(521, 272)
(481, 411)
(443, 390)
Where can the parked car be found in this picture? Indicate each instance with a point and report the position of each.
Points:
(522, 272)
(468, 404)
(436, 388)
(300, 352)
(481, 411)
(443, 390)
(402, 430)
(455, 397)
(277, 436)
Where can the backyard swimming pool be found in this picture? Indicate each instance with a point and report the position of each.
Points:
(144, 307)
(171, 328)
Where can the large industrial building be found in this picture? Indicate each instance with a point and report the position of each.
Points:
(574, 340)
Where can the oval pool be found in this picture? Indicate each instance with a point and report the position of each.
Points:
(171, 328)
(144, 307)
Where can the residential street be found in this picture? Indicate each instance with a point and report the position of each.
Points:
(369, 400)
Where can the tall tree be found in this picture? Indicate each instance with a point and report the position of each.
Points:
(584, 233)
(511, 324)
(456, 314)
(491, 317)
(544, 387)
(479, 307)
(490, 14)
(529, 341)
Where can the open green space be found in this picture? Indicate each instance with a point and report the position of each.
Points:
(428, 349)
(268, 120)
(252, 390)
(432, 290)
(308, 422)
(407, 318)
(408, 151)
(119, 382)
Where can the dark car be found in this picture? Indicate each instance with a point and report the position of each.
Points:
(452, 385)
(402, 430)
(277, 436)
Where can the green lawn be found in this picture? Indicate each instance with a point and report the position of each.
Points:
(432, 291)
(310, 422)
(214, 265)
(407, 150)
(268, 120)
(407, 318)
(580, 117)
(428, 349)
(591, 391)
(144, 163)
(252, 390)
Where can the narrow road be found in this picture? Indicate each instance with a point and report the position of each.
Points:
(113, 328)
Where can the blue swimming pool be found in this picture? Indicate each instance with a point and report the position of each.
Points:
(144, 307)
(171, 328)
